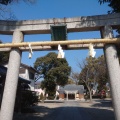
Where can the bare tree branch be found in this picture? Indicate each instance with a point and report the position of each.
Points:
(5, 9)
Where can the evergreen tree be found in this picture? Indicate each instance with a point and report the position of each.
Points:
(54, 71)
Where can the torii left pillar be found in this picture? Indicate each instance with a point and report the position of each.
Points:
(9, 95)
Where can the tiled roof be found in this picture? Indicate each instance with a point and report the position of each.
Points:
(72, 87)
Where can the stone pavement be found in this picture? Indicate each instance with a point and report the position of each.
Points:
(70, 110)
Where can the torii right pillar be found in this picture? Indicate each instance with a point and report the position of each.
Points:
(113, 67)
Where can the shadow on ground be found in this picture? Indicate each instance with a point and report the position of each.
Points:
(103, 103)
(67, 113)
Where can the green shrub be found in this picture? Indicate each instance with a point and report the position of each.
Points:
(27, 99)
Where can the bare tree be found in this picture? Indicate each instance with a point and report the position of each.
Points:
(6, 2)
(86, 75)
(75, 77)
(5, 8)
(93, 72)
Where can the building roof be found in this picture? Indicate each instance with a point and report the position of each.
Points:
(72, 87)
(30, 68)
(3, 71)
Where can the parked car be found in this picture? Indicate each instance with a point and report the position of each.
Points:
(102, 94)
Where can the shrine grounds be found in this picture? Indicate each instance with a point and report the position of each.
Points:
(69, 110)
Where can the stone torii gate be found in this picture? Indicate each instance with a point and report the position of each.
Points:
(103, 23)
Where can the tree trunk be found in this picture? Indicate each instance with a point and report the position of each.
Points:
(90, 95)
(90, 92)
(44, 96)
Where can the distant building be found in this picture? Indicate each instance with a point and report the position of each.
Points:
(26, 79)
(27, 73)
(71, 91)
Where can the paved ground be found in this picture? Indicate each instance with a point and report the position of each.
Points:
(70, 110)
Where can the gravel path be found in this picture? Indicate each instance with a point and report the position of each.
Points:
(70, 110)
